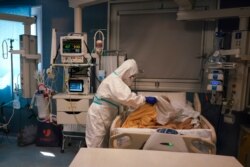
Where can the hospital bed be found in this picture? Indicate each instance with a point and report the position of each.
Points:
(201, 140)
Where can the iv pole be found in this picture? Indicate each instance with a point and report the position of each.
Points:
(11, 66)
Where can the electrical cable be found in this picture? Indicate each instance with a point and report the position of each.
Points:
(57, 53)
(74, 113)
(92, 59)
(87, 48)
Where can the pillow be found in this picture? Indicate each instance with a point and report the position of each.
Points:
(178, 100)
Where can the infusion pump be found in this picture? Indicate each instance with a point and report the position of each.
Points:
(73, 48)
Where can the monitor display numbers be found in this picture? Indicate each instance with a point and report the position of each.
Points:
(72, 46)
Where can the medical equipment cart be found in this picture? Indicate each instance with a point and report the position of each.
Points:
(71, 113)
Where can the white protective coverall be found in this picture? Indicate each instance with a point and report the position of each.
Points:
(113, 91)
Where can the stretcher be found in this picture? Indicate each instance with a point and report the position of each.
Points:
(202, 140)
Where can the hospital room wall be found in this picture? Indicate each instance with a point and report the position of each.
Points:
(95, 18)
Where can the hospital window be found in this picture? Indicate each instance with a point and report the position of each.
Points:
(9, 38)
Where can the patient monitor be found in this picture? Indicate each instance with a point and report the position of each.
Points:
(72, 49)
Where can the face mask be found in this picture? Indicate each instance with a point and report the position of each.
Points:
(129, 81)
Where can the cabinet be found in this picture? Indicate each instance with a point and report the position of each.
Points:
(71, 111)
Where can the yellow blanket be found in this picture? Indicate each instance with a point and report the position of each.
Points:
(145, 117)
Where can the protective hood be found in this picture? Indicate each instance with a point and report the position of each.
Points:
(127, 70)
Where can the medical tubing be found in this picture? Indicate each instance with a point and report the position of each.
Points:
(7, 103)
(99, 32)
(6, 46)
(4, 125)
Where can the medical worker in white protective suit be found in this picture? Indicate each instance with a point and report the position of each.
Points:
(112, 92)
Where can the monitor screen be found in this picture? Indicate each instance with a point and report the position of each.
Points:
(72, 46)
(76, 86)
(215, 82)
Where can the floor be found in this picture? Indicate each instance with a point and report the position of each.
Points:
(12, 155)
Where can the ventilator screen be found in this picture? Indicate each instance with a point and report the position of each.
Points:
(76, 85)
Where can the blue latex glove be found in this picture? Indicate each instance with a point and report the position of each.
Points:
(151, 100)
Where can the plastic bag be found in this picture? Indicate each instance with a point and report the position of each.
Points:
(165, 110)
(27, 135)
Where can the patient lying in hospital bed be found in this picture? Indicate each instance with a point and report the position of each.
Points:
(134, 129)
(162, 114)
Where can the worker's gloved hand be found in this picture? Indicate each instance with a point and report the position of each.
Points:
(151, 100)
